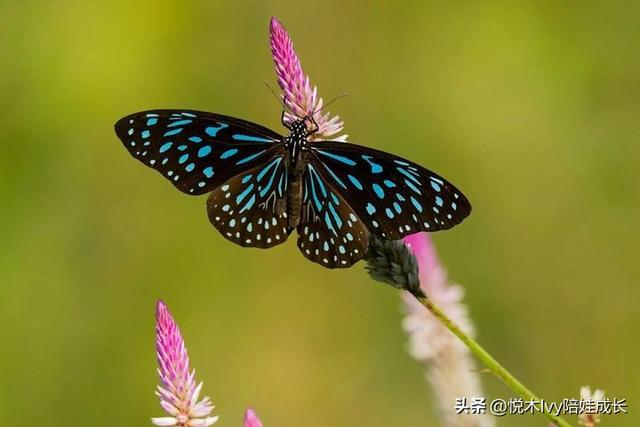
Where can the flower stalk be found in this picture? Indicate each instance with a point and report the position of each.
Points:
(483, 355)
(386, 262)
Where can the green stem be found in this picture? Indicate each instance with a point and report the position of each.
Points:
(492, 364)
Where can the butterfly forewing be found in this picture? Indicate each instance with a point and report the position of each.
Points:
(330, 231)
(393, 196)
(196, 151)
(250, 209)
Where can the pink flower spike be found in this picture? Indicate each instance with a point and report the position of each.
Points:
(299, 97)
(251, 419)
(449, 364)
(178, 390)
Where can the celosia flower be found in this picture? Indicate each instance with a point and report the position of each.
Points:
(425, 331)
(590, 416)
(251, 419)
(449, 364)
(178, 390)
(299, 97)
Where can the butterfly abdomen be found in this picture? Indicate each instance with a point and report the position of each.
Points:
(294, 199)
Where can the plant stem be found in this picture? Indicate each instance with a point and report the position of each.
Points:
(492, 364)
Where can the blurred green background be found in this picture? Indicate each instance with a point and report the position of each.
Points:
(532, 108)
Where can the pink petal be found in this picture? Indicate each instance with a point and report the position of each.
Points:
(300, 97)
(251, 419)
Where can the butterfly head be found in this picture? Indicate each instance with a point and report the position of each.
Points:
(302, 128)
(299, 128)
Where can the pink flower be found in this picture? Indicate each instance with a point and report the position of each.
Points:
(251, 419)
(300, 99)
(449, 364)
(178, 391)
(434, 283)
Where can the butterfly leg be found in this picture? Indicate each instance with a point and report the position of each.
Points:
(316, 128)
(284, 123)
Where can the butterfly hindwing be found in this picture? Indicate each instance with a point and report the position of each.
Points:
(196, 151)
(330, 232)
(250, 209)
(393, 196)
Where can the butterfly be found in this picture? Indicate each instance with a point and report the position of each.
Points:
(264, 185)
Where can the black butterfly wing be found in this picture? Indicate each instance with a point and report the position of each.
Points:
(393, 196)
(250, 209)
(195, 150)
(241, 163)
(330, 231)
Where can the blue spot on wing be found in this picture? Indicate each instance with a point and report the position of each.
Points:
(412, 186)
(266, 169)
(342, 159)
(179, 123)
(370, 209)
(334, 176)
(355, 182)
(244, 194)
(250, 138)
(204, 151)
(378, 190)
(408, 175)
(249, 158)
(164, 147)
(375, 167)
(173, 132)
(249, 204)
(212, 131)
(336, 217)
(317, 178)
(416, 204)
(228, 153)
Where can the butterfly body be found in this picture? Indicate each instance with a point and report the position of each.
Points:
(297, 145)
(263, 185)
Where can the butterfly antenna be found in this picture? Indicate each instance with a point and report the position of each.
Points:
(342, 95)
(279, 98)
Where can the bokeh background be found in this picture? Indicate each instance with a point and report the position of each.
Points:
(532, 108)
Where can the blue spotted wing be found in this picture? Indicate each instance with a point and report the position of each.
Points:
(196, 151)
(331, 232)
(250, 209)
(392, 196)
(241, 163)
